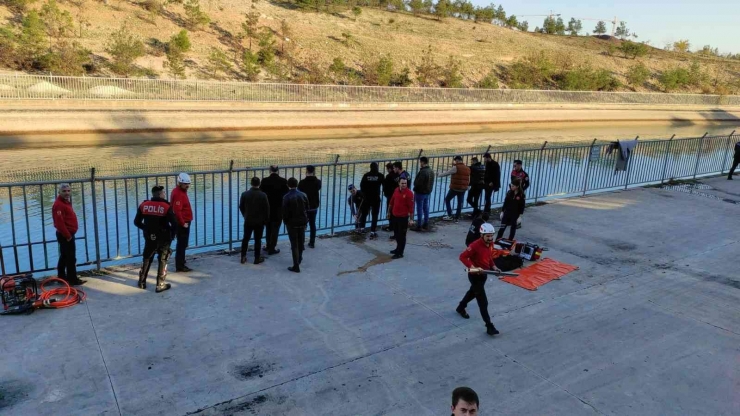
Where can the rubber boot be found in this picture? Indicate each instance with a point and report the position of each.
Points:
(162, 271)
(143, 273)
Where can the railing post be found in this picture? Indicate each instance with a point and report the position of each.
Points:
(231, 209)
(698, 153)
(334, 193)
(588, 167)
(539, 169)
(96, 234)
(629, 165)
(665, 163)
(727, 150)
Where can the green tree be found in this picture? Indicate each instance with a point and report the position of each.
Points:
(523, 26)
(402, 79)
(31, 41)
(560, 26)
(574, 26)
(549, 26)
(600, 28)
(512, 22)
(633, 49)
(249, 26)
(484, 14)
(416, 6)
(286, 32)
(379, 72)
(500, 15)
(532, 71)
(195, 18)
(638, 74)
(427, 71)
(180, 41)
(266, 43)
(442, 9)
(489, 82)
(175, 63)
(356, 11)
(339, 70)
(622, 31)
(697, 76)
(66, 58)
(218, 62)
(451, 76)
(58, 23)
(672, 79)
(124, 48)
(428, 6)
(250, 65)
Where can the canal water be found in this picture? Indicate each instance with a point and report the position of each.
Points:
(569, 166)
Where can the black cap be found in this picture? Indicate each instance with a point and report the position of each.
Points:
(488, 155)
(157, 188)
(458, 158)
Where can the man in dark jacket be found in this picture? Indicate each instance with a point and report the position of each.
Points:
(390, 183)
(519, 173)
(311, 186)
(423, 186)
(358, 206)
(735, 161)
(477, 184)
(295, 207)
(275, 187)
(400, 173)
(370, 186)
(255, 209)
(492, 179)
(156, 219)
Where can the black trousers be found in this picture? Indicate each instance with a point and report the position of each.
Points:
(67, 264)
(271, 233)
(161, 247)
(474, 198)
(312, 225)
(374, 208)
(248, 230)
(489, 196)
(183, 237)
(400, 228)
(477, 291)
(735, 163)
(512, 230)
(297, 235)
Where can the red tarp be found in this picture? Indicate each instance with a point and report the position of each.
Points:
(538, 274)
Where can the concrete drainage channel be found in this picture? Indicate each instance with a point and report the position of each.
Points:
(696, 189)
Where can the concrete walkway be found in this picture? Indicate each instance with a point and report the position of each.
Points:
(650, 324)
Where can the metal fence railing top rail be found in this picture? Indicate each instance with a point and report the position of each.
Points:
(15, 86)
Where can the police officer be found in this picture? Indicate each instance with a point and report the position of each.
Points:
(157, 220)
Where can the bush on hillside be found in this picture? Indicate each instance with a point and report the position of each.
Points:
(402, 79)
(180, 41)
(218, 63)
(195, 18)
(250, 65)
(490, 81)
(673, 79)
(587, 79)
(66, 58)
(124, 48)
(427, 71)
(633, 49)
(451, 76)
(379, 72)
(535, 71)
(638, 74)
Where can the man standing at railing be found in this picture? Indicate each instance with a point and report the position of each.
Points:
(311, 186)
(423, 186)
(370, 186)
(458, 185)
(519, 173)
(735, 161)
(477, 184)
(401, 213)
(275, 187)
(390, 183)
(492, 179)
(157, 220)
(255, 209)
(184, 215)
(65, 222)
(294, 207)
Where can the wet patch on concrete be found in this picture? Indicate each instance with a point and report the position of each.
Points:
(250, 370)
(240, 406)
(379, 258)
(621, 246)
(695, 189)
(13, 392)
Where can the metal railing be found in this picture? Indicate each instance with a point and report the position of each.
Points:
(86, 88)
(106, 206)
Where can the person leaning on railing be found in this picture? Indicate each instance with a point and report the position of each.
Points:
(65, 222)
(458, 185)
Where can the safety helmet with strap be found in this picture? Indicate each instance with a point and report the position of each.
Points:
(183, 178)
(487, 228)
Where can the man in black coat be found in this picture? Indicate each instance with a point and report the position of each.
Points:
(492, 179)
(371, 186)
(295, 207)
(275, 187)
(311, 186)
(477, 184)
(390, 183)
(735, 161)
(255, 209)
(157, 221)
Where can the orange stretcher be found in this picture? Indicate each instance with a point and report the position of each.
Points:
(538, 274)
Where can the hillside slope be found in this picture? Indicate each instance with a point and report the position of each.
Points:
(319, 38)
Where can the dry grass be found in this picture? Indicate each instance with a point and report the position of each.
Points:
(481, 47)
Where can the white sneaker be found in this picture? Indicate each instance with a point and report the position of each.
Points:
(447, 218)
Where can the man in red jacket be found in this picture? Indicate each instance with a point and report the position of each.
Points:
(65, 222)
(184, 215)
(478, 257)
(401, 212)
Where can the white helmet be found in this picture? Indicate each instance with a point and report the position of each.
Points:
(183, 178)
(487, 228)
